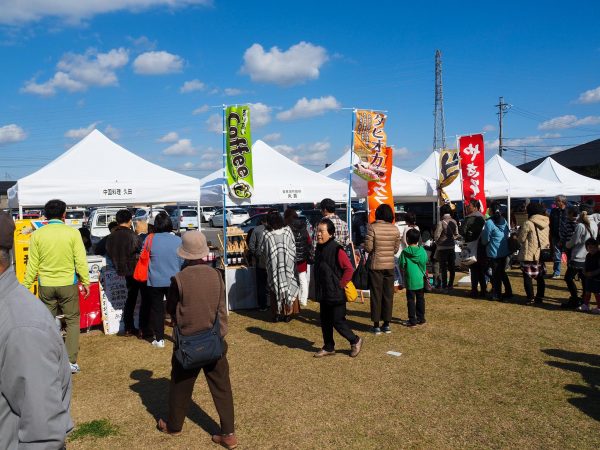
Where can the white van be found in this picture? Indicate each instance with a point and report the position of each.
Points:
(99, 220)
(75, 218)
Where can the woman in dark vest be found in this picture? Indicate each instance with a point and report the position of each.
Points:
(303, 247)
(333, 271)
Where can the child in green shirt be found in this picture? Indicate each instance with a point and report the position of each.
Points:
(413, 263)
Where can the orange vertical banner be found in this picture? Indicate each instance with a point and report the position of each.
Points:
(380, 192)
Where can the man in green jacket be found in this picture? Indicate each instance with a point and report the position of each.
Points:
(56, 258)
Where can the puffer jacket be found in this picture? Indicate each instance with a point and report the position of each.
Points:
(382, 243)
(530, 249)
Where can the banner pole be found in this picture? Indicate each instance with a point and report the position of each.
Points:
(436, 161)
(460, 178)
(225, 187)
(349, 202)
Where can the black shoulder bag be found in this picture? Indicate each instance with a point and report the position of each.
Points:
(545, 253)
(199, 349)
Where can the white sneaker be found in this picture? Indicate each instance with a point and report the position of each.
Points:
(596, 311)
(158, 344)
(583, 307)
(75, 368)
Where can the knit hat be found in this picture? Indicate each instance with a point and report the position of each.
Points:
(193, 245)
(7, 231)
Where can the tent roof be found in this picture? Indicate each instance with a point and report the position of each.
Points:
(520, 184)
(572, 182)
(405, 185)
(276, 180)
(97, 171)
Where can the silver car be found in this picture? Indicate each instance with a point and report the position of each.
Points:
(235, 216)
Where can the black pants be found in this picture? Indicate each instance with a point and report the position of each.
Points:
(541, 287)
(145, 311)
(381, 285)
(133, 289)
(477, 271)
(570, 275)
(499, 277)
(261, 287)
(416, 310)
(182, 387)
(446, 257)
(334, 316)
(157, 314)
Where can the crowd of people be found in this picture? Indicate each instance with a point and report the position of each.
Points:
(34, 407)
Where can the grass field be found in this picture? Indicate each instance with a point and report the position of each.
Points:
(480, 374)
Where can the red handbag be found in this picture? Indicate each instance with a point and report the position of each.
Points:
(141, 268)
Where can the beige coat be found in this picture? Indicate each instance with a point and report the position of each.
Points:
(530, 249)
(382, 242)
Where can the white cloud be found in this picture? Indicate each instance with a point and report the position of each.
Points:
(299, 63)
(200, 110)
(591, 96)
(142, 43)
(157, 63)
(171, 136)
(309, 108)
(191, 86)
(188, 165)
(12, 133)
(80, 133)
(272, 137)
(209, 159)
(181, 147)
(260, 114)
(112, 132)
(313, 154)
(77, 72)
(568, 121)
(232, 91)
(73, 11)
(214, 123)
(400, 153)
(489, 128)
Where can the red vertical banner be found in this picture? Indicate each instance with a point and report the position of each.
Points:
(380, 191)
(472, 166)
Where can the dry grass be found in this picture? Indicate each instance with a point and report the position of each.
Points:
(480, 374)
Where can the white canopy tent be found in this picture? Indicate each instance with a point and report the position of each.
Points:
(430, 169)
(277, 180)
(406, 186)
(520, 184)
(571, 182)
(97, 171)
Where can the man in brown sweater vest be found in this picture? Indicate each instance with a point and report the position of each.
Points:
(195, 295)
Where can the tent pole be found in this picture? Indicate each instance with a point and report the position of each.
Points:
(225, 209)
(198, 215)
(349, 201)
(20, 211)
(508, 211)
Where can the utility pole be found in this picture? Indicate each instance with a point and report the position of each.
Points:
(502, 108)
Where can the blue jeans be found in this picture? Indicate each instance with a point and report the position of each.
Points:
(557, 260)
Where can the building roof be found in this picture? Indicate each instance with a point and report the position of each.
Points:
(5, 185)
(583, 155)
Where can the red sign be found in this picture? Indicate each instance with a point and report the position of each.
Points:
(380, 191)
(472, 166)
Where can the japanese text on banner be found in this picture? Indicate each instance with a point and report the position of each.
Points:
(239, 152)
(472, 164)
(369, 144)
(449, 169)
(380, 192)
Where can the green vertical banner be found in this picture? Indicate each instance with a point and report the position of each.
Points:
(239, 152)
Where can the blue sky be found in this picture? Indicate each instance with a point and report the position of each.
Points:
(148, 73)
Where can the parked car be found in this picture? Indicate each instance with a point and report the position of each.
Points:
(254, 221)
(99, 220)
(76, 218)
(206, 213)
(145, 214)
(235, 216)
(184, 219)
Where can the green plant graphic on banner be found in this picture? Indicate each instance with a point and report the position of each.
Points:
(239, 152)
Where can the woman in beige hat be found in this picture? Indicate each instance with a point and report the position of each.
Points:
(195, 296)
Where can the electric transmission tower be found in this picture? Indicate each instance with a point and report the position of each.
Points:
(439, 127)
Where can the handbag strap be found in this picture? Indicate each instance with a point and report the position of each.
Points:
(148, 242)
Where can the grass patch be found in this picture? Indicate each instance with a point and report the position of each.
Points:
(96, 429)
(480, 374)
